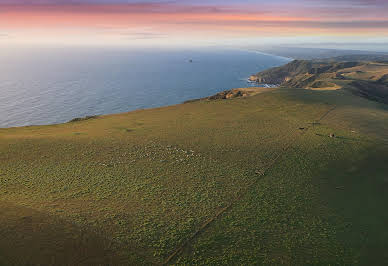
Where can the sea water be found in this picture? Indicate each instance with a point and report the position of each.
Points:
(53, 85)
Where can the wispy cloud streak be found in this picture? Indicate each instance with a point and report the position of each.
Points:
(200, 19)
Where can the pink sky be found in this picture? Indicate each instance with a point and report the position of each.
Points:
(170, 22)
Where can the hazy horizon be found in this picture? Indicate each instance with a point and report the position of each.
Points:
(188, 23)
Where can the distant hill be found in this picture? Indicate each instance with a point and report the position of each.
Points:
(368, 79)
(305, 53)
(361, 57)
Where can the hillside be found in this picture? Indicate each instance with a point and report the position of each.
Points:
(249, 180)
(309, 53)
(360, 57)
(364, 78)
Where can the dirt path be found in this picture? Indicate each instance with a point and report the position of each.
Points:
(261, 173)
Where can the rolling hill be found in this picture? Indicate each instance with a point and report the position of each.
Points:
(246, 180)
(311, 53)
(363, 78)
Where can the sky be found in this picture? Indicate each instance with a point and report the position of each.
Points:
(193, 22)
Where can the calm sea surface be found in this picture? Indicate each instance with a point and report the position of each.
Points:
(46, 86)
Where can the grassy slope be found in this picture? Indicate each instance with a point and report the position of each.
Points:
(132, 187)
(365, 79)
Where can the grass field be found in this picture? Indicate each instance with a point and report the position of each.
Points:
(253, 180)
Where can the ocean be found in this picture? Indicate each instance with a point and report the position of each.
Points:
(54, 85)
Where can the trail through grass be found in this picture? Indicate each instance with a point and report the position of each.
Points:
(141, 184)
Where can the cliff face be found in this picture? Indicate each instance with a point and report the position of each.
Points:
(278, 75)
(291, 72)
(366, 79)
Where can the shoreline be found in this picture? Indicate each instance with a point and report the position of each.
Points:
(249, 84)
(275, 55)
(251, 91)
(255, 84)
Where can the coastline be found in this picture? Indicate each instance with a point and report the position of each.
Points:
(42, 118)
(274, 55)
(216, 94)
(235, 93)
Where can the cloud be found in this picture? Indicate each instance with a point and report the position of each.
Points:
(114, 7)
(143, 35)
(133, 19)
(5, 36)
(377, 3)
(39, 2)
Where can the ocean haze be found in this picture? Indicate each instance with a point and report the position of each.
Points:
(46, 86)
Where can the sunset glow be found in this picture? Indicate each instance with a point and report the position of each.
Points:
(140, 22)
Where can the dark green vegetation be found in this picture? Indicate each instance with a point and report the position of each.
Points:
(366, 79)
(260, 172)
(78, 119)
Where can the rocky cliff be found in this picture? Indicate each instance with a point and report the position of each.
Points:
(366, 79)
(278, 75)
(307, 70)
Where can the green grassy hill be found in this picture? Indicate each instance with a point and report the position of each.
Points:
(252, 180)
(363, 78)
